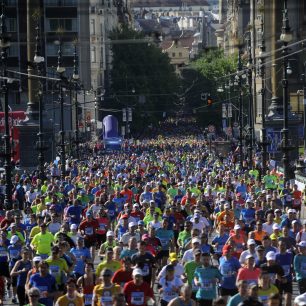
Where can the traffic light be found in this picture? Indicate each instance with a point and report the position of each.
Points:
(209, 101)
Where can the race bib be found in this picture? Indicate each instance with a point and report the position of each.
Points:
(42, 288)
(88, 299)
(137, 298)
(227, 271)
(106, 300)
(304, 267)
(102, 227)
(55, 270)
(88, 231)
(164, 242)
(145, 270)
(207, 285)
(272, 277)
(14, 253)
(297, 202)
(286, 269)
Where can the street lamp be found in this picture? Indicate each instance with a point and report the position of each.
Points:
(264, 141)
(251, 120)
(4, 45)
(286, 37)
(60, 70)
(38, 60)
(238, 81)
(75, 77)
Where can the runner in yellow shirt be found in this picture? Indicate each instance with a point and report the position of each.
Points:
(108, 263)
(72, 297)
(42, 242)
(103, 294)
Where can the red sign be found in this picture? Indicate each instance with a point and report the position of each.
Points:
(14, 119)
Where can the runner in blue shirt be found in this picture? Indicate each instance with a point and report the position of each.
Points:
(45, 282)
(228, 267)
(82, 254)
(285, 259)
(206, 278)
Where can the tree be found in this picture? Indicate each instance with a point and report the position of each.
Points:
(213, 66)
(141, 77)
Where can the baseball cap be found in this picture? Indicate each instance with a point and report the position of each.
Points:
(89, 213)
(237, 226)
(136, 205)
(73, 226)
(271, 255)
(137, 272)
(260, 248)
(131, 224)
(37, 258)
(275, 226)
(291, 210)
(226, 249)
(125, 216)
(226, 205)
(249, 256)
(110, 234)
(140, 222)
(195, 240)
(251, 241)
(197, 251)
(302, 244)
(172, 257)
(107, 272)
(14, 239)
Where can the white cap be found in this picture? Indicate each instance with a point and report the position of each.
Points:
(291, 210)
(131, 224)
(237, 226)
(302, 244)
(300, 300)
(37, 258)
(275, 226)
(135, 205)
(249, 256)
(249, 201)
(196, 240)
(137, 272)
(73, 226)
(264, 191)
(295, 221)
(14, 239)
(226, 205)
(251, 241)
(110, 233)
(271, 255)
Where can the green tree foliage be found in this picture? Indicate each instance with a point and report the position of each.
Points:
(212, 67)
(141, 77)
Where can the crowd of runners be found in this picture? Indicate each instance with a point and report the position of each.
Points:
(166, 222)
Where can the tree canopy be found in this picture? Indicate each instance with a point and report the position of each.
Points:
(141, 77)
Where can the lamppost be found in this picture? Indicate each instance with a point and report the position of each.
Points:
(286, 38)
(38, 60)
(239, 79)
(60, 70)
(264, 141)
(75, 77)
(250, 92)
(4, 45)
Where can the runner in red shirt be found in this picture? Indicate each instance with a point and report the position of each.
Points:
(124, 274)
(137, 213)
(88, 228)
(137, 292)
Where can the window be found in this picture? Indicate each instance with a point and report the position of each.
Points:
(68, 24)
(92, 27)
(92, 9)
(11, 24)
(11, 2)
(13, 50)
(60, 2)
(67, 49)
(173, 54)
(180, 54)
(93, 54)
